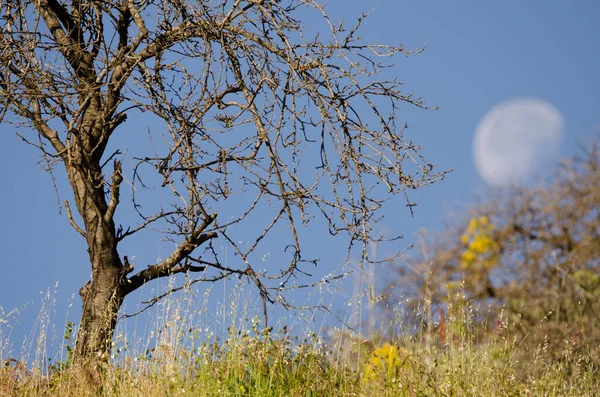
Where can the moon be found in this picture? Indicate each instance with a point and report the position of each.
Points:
(517, 139)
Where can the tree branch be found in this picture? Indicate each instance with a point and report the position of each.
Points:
(115, 187)
(67, 21)
(70, 49)
(72, 221)
(169, 265)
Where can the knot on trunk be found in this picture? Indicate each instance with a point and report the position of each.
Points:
(83, 291)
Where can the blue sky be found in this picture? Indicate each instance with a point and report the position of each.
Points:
(479, 54)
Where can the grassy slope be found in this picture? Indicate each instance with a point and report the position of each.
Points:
(251, 362)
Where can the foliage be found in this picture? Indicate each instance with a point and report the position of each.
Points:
(60, 366)
(480, 248)
(532, 255)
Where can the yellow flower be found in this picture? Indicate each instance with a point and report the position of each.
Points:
(464, 239)
(467, 259)
(480, 247)
(382, 360)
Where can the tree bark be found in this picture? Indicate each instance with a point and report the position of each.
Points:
(102, 300)
(103, 295)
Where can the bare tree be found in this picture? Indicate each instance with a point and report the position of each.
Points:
(250, 104)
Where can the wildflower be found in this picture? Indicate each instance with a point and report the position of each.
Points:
(480, 247)
(382, 361)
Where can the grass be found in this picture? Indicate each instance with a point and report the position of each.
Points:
(179, 358)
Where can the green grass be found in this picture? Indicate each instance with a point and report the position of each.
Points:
(179, 360)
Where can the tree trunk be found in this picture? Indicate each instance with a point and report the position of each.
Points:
(103, 295)
(102, 300)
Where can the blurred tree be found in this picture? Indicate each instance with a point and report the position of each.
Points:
(532, 255)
